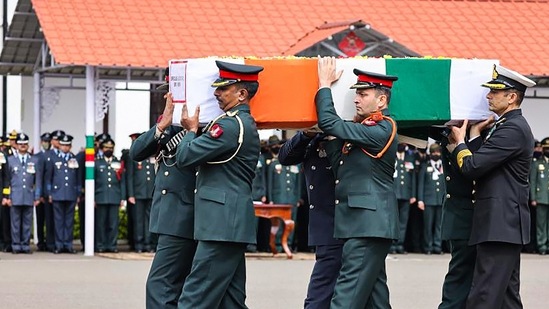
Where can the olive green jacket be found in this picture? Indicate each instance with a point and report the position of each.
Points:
(172, 211)
(366, 204)
(223, 203)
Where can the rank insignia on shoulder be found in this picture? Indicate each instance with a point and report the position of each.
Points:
(216, 131)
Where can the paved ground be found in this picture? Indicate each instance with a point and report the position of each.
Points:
(44, 280)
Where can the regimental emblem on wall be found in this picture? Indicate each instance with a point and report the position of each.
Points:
(351, 44)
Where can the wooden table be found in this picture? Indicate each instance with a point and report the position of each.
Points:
(277, 213)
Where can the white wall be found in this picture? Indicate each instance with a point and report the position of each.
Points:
(129, 114)
(536, 111)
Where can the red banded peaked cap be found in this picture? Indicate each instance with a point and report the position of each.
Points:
(230, 73)
(370, 80)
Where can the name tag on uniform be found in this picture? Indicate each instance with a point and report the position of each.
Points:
(73, 163)
(430, 169)
(294, 169)
(115, 165)
(30, 168)
(541, 167)
(409, 166)
(58, 164)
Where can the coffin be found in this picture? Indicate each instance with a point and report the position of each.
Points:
(428, 91)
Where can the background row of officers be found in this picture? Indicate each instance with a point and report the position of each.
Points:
(52, 181)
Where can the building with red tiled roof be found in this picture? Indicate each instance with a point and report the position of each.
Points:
(148, 33)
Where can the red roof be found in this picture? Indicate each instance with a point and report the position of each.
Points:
(148, 33)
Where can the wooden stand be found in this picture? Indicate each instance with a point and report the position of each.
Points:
(274, 212)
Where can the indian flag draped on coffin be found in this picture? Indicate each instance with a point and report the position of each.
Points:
(428, 91)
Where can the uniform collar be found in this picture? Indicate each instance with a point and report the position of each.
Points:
(512, 113)
(241, 108)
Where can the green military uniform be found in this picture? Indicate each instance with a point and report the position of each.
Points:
(259, 194)
(259, 184)
(405, 189)
(284, 187)
(366, 213)
(224, 212)
(539, 192)
(140, 179)
(110, 190)
(172, 218)
(226, 155)
(457, 220)
(431, 191)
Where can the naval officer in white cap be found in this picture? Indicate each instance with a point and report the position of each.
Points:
(499, 163)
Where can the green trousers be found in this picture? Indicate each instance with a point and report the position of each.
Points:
(362, 281)
(217, 278)
(457, 282)
(542, 227)
(171, 265)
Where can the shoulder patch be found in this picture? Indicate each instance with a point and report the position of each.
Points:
(216, 131)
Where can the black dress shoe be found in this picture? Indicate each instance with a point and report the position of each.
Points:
(71, 251)
(56, 251)
(114, 250)
(138, 251)
(27, 251)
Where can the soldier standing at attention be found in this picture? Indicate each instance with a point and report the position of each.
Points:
(63, 188)
(500, 166)
(539, 195)
(307, 148)
(284, 186)
(50, 154)
(140, 178)
(226, 155)
(430, 193)
(363, 155)
(110, 190)
(172, 211)
(25, 180)
(405, 189)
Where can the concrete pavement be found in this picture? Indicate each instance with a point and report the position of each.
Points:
(47, 281)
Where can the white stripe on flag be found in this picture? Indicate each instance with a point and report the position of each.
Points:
(467, 97)
(343, 96)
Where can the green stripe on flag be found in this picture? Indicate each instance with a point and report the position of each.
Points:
(422, 92)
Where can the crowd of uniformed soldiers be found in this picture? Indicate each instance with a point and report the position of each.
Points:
(51, 180)
(54, 179)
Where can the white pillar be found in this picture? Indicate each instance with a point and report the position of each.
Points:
(36, 141)
(90, 155)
